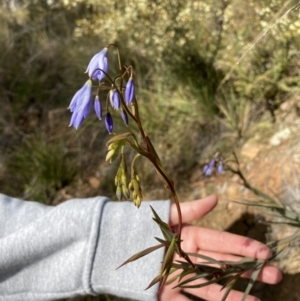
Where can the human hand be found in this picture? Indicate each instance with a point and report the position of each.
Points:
(216, 244)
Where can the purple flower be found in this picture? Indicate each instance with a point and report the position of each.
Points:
(109, 122)
(114, 99)
(81, 104)
(124, 117)
(208, 169)
(221, 166)
(99, 61)
(129, 91)
(98, 107)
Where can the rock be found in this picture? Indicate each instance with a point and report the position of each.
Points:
(280, 136)
(251, 150)
(94, 182)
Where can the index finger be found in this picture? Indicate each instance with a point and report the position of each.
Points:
(193, 210)
(224, 242)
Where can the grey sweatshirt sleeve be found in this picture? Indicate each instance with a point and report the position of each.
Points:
(73, 249)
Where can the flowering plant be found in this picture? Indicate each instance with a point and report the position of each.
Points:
(121, 97)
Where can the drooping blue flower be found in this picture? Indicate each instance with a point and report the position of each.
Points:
(109, 122)
(124, 117)
(99, 61)
(221, 166)
(208, 169)
(81, 104)
(98, 107)
(129, 91)
(114, 99)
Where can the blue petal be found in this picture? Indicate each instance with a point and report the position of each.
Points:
(98, 61)
(114, 99)
(109, 122)
(129, 91)
(124, 117)
(81, 104)
(103, 64)
(209, 171)
(76, 120)
(221, 166)
(98, 107)
(74, 101)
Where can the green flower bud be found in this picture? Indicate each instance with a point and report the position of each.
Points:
(125, 192)
(110, 154)
(137, 201)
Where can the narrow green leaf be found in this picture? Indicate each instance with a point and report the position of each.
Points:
(155, 280)
(141, 254)
(193, 278)
(229, 288)
(282, 223)
(162, 241)
(280, 254)
(206, 258)
(185, 273)
(168, 259)
(164, 227)
(171, 280)
(208, 282)
(252, 280)
(275, 209)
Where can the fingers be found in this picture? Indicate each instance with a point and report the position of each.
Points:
(197, 238)
(214, 292)
(193, 210)
(269, 274)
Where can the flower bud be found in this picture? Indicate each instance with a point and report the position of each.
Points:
(110, 154)
(129, 91)
(109, 122)
(114, 99)
(98, 107)
(137, 201)
(125, 192)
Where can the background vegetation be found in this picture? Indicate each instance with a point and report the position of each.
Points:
(207, 71)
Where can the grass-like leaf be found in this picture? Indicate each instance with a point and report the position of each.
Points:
(252, 280)
(275, 210)
(164, 227)
(141, 254)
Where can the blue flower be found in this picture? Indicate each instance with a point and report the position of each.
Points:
(124, 117)
(99, 61)
(109, 122)
(114, 99)
(129, 91)
(81, 104)
(98, 107)
(221, 166)
(208, 168)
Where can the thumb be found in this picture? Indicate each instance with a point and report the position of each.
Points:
(193, 210)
